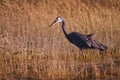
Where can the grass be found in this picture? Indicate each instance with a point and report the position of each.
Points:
(31, 50)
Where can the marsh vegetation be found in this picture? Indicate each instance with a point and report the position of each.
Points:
(31, 50)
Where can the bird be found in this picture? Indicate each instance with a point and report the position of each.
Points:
(82, 41)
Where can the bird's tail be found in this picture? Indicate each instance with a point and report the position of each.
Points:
(102, 47)
(99, 45)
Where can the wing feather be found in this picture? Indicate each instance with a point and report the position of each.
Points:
(85, 41)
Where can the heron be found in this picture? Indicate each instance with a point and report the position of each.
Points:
(82, 41)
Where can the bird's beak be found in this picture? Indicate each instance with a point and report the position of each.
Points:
(53, 23)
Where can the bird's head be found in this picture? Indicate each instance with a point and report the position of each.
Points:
(58, 19)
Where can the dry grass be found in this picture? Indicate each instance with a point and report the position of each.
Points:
(30, 50)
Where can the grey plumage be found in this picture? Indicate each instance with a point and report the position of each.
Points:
(82, 41)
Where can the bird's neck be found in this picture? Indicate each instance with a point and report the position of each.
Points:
(64, 28)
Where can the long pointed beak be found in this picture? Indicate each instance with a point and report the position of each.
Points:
(52, 23)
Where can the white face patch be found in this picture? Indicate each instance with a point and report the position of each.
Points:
(59, 19)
